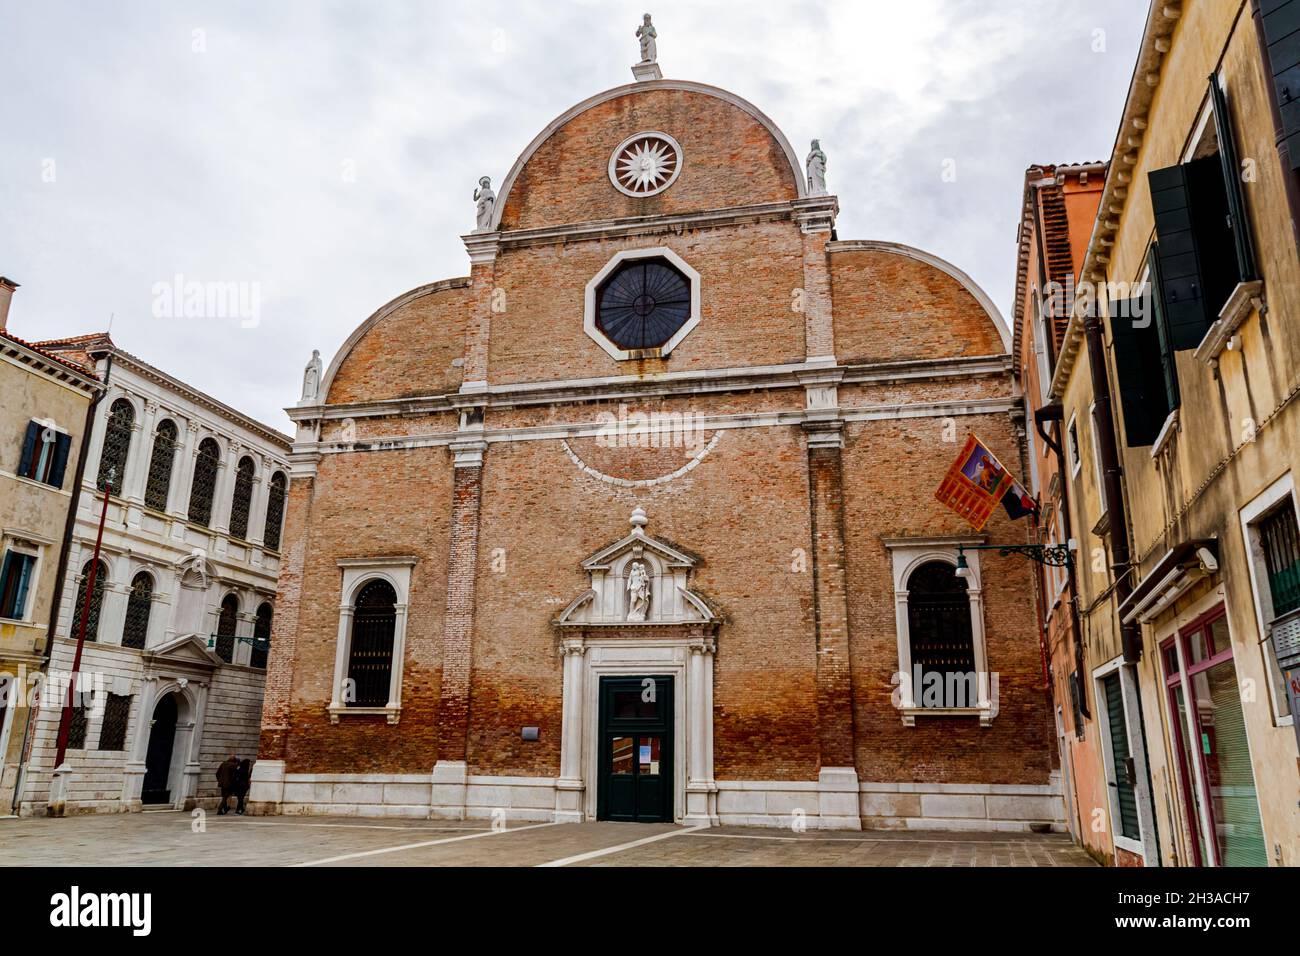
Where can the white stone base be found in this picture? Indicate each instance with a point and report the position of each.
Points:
(835, 801)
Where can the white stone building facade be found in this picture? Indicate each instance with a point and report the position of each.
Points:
(188, 567)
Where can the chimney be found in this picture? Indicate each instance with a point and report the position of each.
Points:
(7, 287)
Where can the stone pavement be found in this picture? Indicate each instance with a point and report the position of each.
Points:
(170, 839)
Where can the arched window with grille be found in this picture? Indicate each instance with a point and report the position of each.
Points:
(160, 465)
(138, 605)
(117, 444)
(274, 511)
(370, 655)
(939, 619)
(227, 621)
(204, 487)
(96, 600)
(242, 499)
(261, 631)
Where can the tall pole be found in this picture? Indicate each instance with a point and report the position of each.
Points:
(65, 719)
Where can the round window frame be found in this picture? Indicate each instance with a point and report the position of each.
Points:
(618, 151)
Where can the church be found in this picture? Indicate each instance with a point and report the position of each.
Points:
(636, 520)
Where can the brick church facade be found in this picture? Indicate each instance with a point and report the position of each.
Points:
(636, 520)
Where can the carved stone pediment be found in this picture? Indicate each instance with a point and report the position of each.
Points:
(188, 651)
(637, 582)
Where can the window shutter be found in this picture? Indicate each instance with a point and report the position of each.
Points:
(1118, 726)
(1137, 357)
(1238, 221)
(29, 448)
(1281, 21)
(1168, 362)
(60, 465)
(7, 588)
(1186, 313)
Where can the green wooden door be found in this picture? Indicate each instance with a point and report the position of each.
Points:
(636, 759)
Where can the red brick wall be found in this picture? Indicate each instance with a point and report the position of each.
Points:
(729, 159)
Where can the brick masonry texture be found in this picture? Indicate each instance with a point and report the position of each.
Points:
(788, 538)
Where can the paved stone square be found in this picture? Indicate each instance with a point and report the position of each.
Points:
(170, 839)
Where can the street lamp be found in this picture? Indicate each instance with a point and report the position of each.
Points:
(1053, 555)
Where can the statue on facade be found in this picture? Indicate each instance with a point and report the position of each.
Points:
(816, 165)
(485, 201)
(638, 592)
(646, 34)
(311, 379)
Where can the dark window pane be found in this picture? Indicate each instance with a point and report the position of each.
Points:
(227, 622)
(77, 727)
(112, 733)
(117, 443)
(274, 511)
(370, 660)
(138, 606)
(1281, 544)
(261, 631)
(643, 304)
(940, 629)
(96, 602)
(160, 466)
(243, 498)
(206, 465)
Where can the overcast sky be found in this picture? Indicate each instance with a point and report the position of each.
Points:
(325, 153)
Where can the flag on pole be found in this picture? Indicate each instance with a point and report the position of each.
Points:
(977, 482)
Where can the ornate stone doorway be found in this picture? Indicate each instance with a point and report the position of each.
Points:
(158, 759)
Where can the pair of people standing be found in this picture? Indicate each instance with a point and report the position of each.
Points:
(232, 777)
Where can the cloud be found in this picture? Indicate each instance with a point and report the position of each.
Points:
(327, 152)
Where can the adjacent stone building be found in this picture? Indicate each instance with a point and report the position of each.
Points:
(43, 419)
(183, 602)
(635, 521)
(1179, 362)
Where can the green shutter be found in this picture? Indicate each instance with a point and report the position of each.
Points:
(1168, 361)
(1281, 21)
(29, 448)
(62, 444)
(1238, 221)
(1186, 312)
(1118, 726)
(1136, 350)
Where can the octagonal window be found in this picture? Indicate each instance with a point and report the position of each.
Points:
(643, 303)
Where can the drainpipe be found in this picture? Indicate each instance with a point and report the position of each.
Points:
(1108, 452)
(1055, 413)
(69, 526)
(1289, 183)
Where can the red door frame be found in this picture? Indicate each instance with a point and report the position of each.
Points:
(1188, 671)
(1172, 682)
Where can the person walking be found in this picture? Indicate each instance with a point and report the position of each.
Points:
(243, 775)
(226, 774)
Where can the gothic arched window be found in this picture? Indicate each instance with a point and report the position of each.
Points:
(243, 498)
(204, 486)
(939, 624)
(370, 657)
(96, 600)
(227, 621)
(138, 605)
(117, 443)
(262, 631)
(274, 511)
(160, 465)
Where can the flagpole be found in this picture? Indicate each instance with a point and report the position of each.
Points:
(65, 719)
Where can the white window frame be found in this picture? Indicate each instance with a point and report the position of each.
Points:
(1096, 459)
(1250, 515)
(908, 554)
(589, 301)
(1040, 347)
(1128, 695)
(357, 572)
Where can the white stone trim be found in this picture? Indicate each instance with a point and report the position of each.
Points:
(906, 555)
(357, 572)
(1250, 514)
(589, 301)
(644, 87)
(679, 156)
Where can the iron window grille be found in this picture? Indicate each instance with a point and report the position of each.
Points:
(204, 487)
(227, 621)
(262, 632)
(117, 443)
(274, 511)
(1281, 543)
(370, 659)
(96, 601)
(243, 498)
(112, 732)
(160, 466)
(939, 625)
(138, 606)
(77, 727)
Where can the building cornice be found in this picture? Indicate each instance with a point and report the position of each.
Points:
(1157, 38)
(20, 353)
